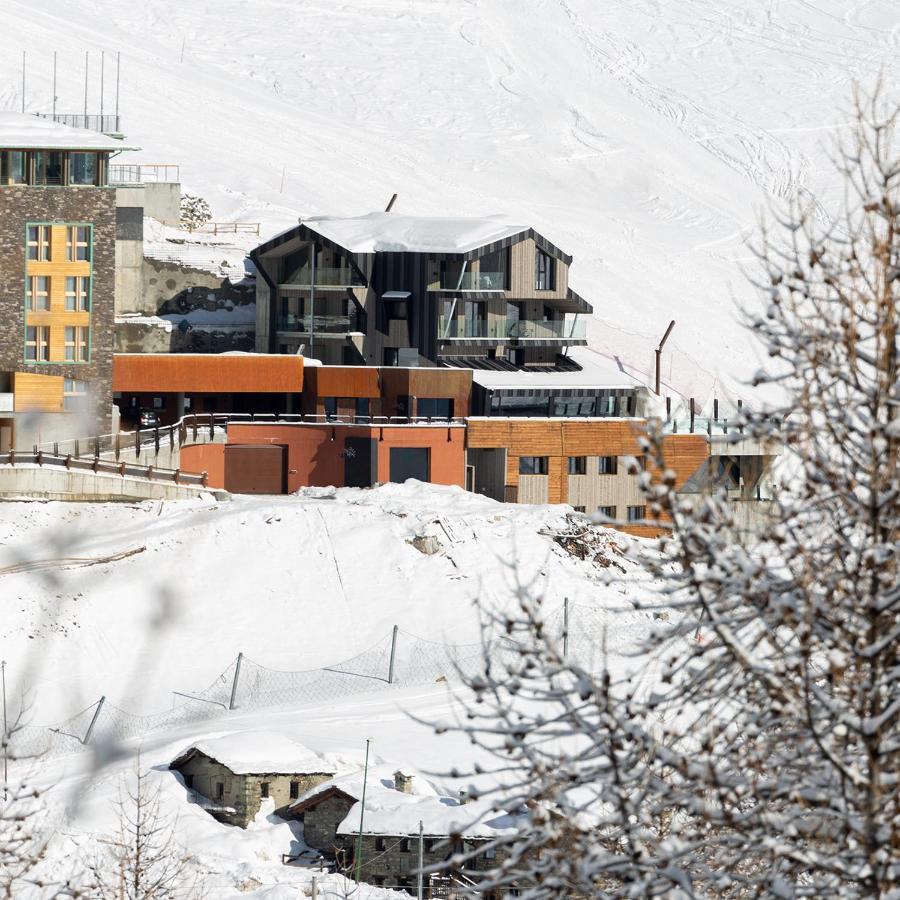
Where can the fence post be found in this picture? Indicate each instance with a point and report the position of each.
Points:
(118, 444)
(393, 653)
(77, 449)
(566, 626)
(212, 426)
(90, 731)
(692, 415)
(234, 684)
(156, 440)
(137, 442)
(97, 446)
(314, 894)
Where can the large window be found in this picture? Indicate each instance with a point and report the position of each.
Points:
(38, 243)
(532, 465)
(13, 169)
(78, 242)
(435, 407)
(76, 343)
(82, 168)
(37, 343)
(74, 394)
(78, 294)
(608, 465)
(544, 271)
(48, 167)
(37, 292)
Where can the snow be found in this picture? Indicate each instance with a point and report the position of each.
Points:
(260, 752)
(384, 232)
(23, 131)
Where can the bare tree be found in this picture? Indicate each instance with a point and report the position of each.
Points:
(764, 762)
(143, 861)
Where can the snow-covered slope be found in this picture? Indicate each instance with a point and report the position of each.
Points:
(642, 136)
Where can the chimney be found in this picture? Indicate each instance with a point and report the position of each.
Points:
(403, 782)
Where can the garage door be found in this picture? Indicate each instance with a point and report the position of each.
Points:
(256, 468)
(409, 462)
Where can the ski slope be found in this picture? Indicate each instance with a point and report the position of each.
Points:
(644, 136)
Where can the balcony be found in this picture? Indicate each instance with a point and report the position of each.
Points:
(339, 325)
(105, 124)
(472, 281)
(511, 329)
(325, 278)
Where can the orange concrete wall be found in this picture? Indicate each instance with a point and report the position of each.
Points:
(314, 459)
(209, 458)
(211, 373)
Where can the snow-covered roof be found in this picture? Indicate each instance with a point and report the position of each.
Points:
(390, 232)
(21, 131)
(392, 812)
(258, 752)
(597, 371)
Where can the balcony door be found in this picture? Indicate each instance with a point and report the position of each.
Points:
(475, 318)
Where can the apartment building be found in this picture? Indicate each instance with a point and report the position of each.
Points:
(58, 229)
(392, 290)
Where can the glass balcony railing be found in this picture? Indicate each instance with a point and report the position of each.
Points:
(500, 328)
(473, 281)
(321, 324)
(325, 277)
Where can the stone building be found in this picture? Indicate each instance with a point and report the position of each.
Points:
(395, 805)
(58, 229)
(231, 776)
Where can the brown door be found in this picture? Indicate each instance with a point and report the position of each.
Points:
(256, 468)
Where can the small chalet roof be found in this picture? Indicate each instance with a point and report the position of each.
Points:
(257, 753)
(392, 812)
(21, 131)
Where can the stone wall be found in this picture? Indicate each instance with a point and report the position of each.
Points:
(320, 823)
(97, 206)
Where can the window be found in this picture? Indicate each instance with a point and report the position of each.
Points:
(636, 513)
(77, 293)
(544, 271)
(78, 242)
(264, 789)
(159, 402)
(640, 462)
(577, 465)
(408, 462)
(490, 853)
(82, 168)
(491, 269)
(295, 790)
(403, 862)
(580, 509)
(379, 845)
(608, 512)
(435, 407)
(396, 310)
(390, 356)
(608, 465)
(13, 169)
(330, 404)
(37, 343)
(37, 292)
(362, 406)
(48, 167)
(220, 790)
(76, 343)
(74, 394)
(404, 845)
(38, 241)
(532, 465)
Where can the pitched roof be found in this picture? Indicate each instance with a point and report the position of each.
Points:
(257, 753)
(22, 131)
(392, 812)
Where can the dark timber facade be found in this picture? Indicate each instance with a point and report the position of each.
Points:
(505, 303)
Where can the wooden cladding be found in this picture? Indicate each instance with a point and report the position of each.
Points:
(189, 373)
(343, 381)
(522, 274)
(37, 393)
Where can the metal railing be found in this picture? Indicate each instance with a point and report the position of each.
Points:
(144, 173)
(512, 329)
(96, 464)
(227, 228)
(105, 124)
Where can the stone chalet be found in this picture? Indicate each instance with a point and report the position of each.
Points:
(395, 804)
(231, 776)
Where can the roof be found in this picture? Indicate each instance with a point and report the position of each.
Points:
(257, 753)
(22, 131)
(381, 232)
(597, 371)
(212, 373)
(392, 812)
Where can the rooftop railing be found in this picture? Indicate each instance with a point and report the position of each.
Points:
(105, 124)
